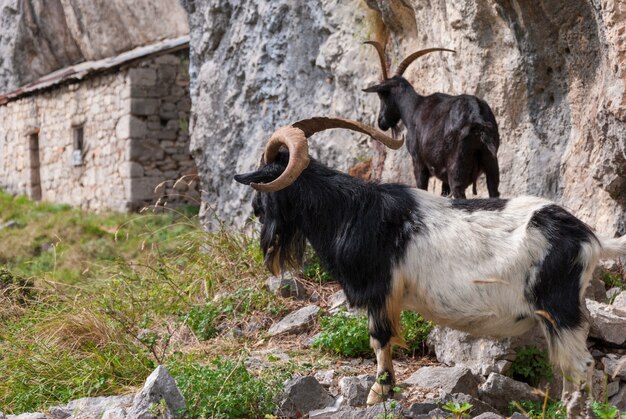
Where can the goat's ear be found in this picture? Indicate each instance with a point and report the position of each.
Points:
(377, 88)
(260, 176)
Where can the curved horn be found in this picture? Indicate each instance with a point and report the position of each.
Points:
(296, 143)
(295, 137)
(408, 60)
(312, 125)
(381, 56)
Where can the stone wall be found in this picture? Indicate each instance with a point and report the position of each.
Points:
(157, 133)
(135, 136)
(553, 74)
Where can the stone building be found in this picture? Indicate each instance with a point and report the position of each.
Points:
(106, 134)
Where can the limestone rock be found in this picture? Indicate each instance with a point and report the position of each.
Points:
(552, 75)
(295, 322)
(302, 395)
(28, 416)
(40, 37)
(355, 389)
(286, 285)
(607, 322)
(498, 389)
(97, 407)
(481, 355)
(489, 415)
(615, 366)
(448, 379)
(159, 386)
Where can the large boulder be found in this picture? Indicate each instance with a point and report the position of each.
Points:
(38, 37)
(554, 77)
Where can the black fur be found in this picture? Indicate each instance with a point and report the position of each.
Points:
(472, 205)
(558, 281)
(454, 138)
(358, 229)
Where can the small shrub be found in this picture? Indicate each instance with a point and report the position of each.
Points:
(203, 321)
(604, 410)
(459, 411)
(534, 409)
(612, 280)
(224, 389)
(415, 330)
(344, 335)
(531, 365)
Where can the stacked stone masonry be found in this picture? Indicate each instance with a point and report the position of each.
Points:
(135, 139)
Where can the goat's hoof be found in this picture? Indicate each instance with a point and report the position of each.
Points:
(378, 394)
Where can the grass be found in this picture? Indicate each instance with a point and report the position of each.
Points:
(90, 304)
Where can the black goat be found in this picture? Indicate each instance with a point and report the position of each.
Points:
(490, 267)
(454, 138)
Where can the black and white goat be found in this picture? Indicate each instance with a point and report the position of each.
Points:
(454, 138)
(488, 266)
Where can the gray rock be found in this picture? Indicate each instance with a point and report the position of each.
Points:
(439, 413)
(607, 322)
(355, 389)
(95, 407)
(295, 322)
(518, 415)
(481, 355)
(325, 377)
(389, 407)
(44, 37)
(28, 416)
(302, 395)
(332, 412)
(338, 302)
(596, 289)
(499, 390)
(421, 408)
(286, 286)
(9, 224)
(612, 294)
(489, 415)
(448, 379)
(619, 399)
(620, 301)
(159, 386)
(615, 366)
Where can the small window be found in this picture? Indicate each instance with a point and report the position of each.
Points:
(77, 152)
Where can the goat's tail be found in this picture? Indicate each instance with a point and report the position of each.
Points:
(612, 248)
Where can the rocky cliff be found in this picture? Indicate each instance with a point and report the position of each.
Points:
(554, 73)
(40, 36)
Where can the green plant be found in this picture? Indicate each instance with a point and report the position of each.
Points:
(224, 389)
(203, 321)
(612, 279)
(531, 365)
(458, 410)
(312, 267)
(415, 330)
(604, 410)
(344, 334)
(348, 335)
(548, 409)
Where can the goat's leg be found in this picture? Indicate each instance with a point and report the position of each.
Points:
(382, 334)
(568, 350)
(492, 173)
(445, 189)
(422, 175)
